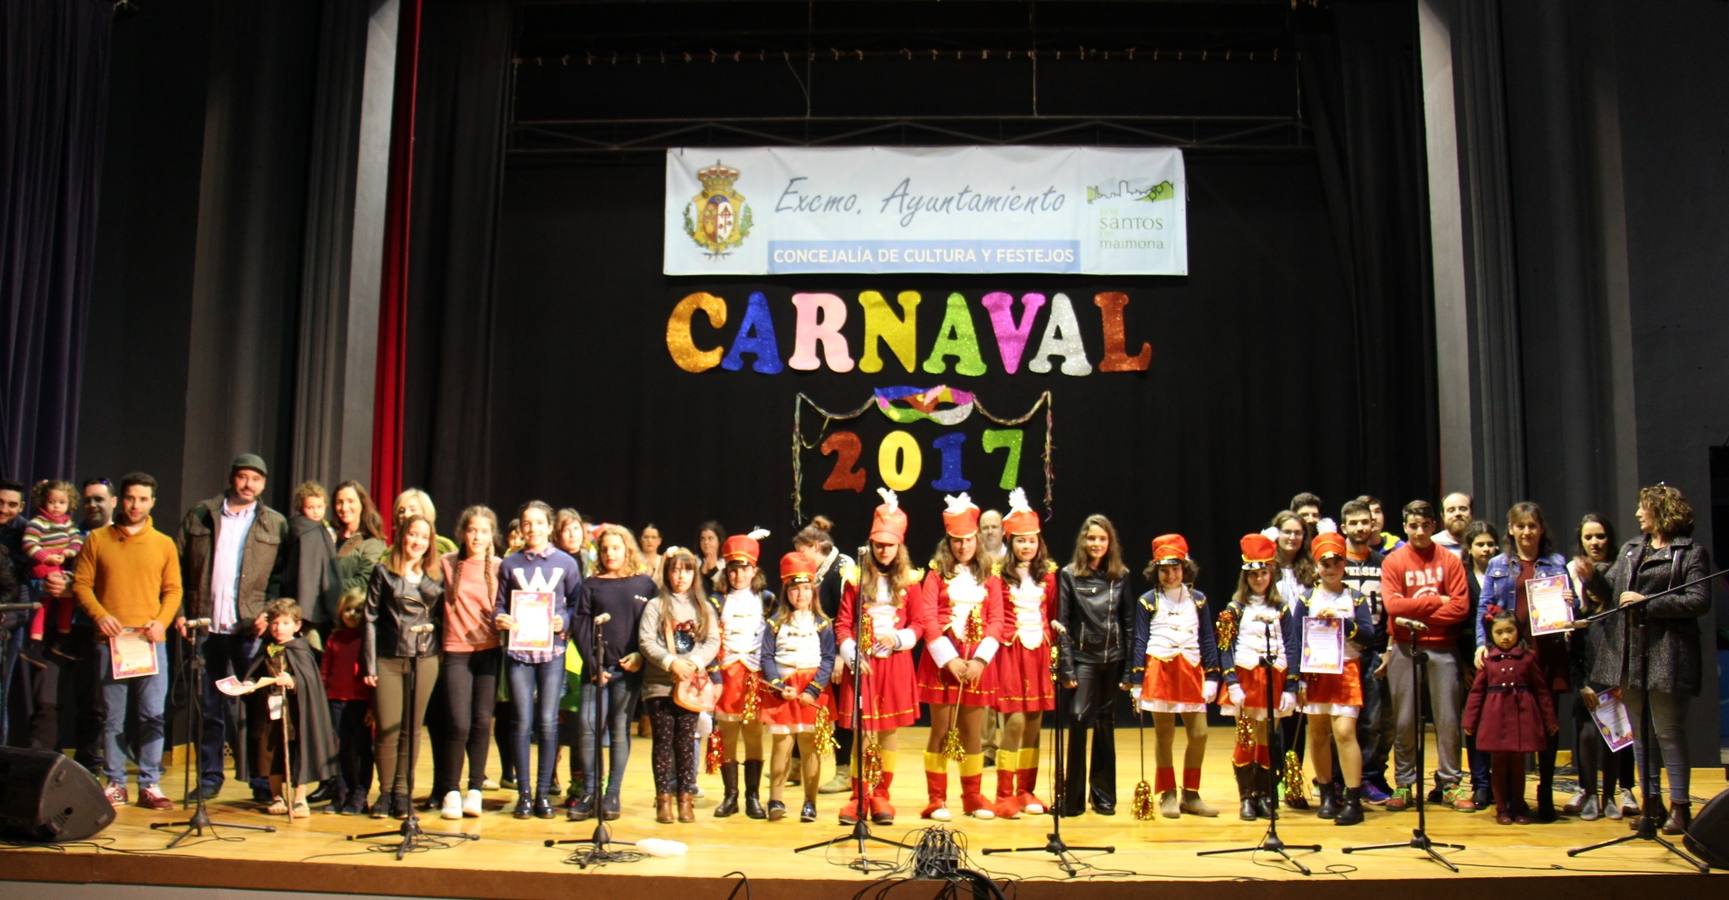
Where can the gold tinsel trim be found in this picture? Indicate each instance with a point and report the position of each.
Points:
(1143, 805)
(873, 763)
(752, 700)
(823, 741)
(1293, 774)
(1227, 629)
(713, 753)
(1245, 730)
(976, 625)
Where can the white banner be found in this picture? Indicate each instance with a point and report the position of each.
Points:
(781, 211)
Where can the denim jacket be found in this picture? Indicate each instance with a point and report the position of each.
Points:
(1501, 588)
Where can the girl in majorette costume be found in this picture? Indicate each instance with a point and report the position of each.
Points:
(1256, 622)
(797, 660)
(1025, 685)
(1333, 701)
(894, 615)
(961, 638)
(743, 612)
(1174, 662)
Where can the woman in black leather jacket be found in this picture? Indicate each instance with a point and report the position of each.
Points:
(404, 603)
(1096, 606)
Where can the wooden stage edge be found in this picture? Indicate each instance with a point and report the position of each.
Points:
(510, 859)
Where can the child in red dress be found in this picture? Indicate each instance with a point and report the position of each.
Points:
(743, 612)
(961, 639)
(1332, 701)
(886, 586)
(1256, 623)
(1025, 685)
(797, 661)
(1511, 714)
(1174, 662)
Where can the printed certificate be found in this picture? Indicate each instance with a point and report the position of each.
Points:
(1323, 646)
(131, 654)
(533, 611)
(1612, 720)
(1546, 598)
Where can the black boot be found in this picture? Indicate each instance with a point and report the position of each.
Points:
(1075, 779)
(1246, 793)
(1266, 803)
(1329, 801)
(753, 778)
(729, 780)
(1351, 811)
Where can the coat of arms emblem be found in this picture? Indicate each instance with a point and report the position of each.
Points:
(717, 218)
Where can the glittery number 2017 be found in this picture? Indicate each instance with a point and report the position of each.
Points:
(900, 459)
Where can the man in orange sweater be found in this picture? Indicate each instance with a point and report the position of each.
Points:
(1424, 584)
(128, 577)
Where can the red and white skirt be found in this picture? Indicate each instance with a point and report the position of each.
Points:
(737, 683)
(1021, 680)
(1254, 684)
(1173, 686)
(783, 716)
(938, 686)
(1334, 695)
(890, 694)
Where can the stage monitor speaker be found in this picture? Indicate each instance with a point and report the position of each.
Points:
(1708, 836)
(46, 797)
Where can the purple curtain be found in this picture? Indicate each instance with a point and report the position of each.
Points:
(53, 108)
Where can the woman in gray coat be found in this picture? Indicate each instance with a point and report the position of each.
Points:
(1666, 633)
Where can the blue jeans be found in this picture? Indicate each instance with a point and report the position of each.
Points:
(614, 704)
(224, 655)
(1374, 721)
(535, 689)
(149, 696)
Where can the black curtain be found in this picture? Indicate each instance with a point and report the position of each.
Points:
(54, 99)
(461, 109)
(1362, 95)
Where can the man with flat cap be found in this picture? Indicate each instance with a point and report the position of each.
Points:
(231, 563)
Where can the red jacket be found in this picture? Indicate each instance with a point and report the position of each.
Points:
(340, 667)
(1428, 586)
(1510, 709)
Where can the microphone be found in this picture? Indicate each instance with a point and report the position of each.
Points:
(198, 623)
(603, 618)
(1410, 624)
(422, 628)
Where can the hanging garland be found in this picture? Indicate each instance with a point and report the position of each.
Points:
(905, 405)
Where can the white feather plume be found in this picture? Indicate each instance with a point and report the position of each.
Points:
(890, 499)
(958, 504)
(1018, 501)
(757, 534)
(1326, 526)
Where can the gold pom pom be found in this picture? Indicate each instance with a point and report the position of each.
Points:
(713, 753)
(873, 763)
(976, 625)
(752, 700)
(1245, 730)
(823, 740)
(1143, 805)
(952, 748)
(1227, 629)
(1294, 774)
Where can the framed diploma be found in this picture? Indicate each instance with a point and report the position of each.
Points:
(1612, 720)
(533, 611)
(1546, 598)
(1323, 646)
(131, 654)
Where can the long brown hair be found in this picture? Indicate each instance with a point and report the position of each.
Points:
(1037, 567)
(1304, 566)
(491, 559)
(670, 563)
(945, 563)
(783, 607)
(429, 562)
(370, 524)
(1114, 568)
(900, 574)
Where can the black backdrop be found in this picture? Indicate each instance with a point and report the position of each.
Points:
(1295, 356)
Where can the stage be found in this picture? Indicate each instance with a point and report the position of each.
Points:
(510, 859)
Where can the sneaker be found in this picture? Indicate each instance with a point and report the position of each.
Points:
(1399, 799)
(471, 805)
(839, 784)
(152, 798)
(452, 808)
(490, 784)
(116, 793)
(1458, 796)
(1629, 803)
(206, 792)
(1374, 794)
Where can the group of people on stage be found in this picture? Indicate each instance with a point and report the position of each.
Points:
(346, 638)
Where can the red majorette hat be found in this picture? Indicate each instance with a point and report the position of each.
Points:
(1258, 551)
(1170, 550)
(1327, 544)
(961, 517)
(745, 548)
(1021, 518)
(889, 522)
(797, 567)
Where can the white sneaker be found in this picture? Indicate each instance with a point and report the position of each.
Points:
(470, 804)
(490, 784)
(452, 808)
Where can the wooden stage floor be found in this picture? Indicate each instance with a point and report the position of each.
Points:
(510, 859)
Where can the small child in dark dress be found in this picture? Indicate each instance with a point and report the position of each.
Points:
(1511, 714)
(306, 749)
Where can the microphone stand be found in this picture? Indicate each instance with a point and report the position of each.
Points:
(413, 837)
(1648, 827)
(1419, 835)
(1271, 842)
(192, 675)
(597, 852)
(861, 831)
(1054, 844)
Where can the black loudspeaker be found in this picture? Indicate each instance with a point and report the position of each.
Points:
(46, 797)
(1708, 836)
